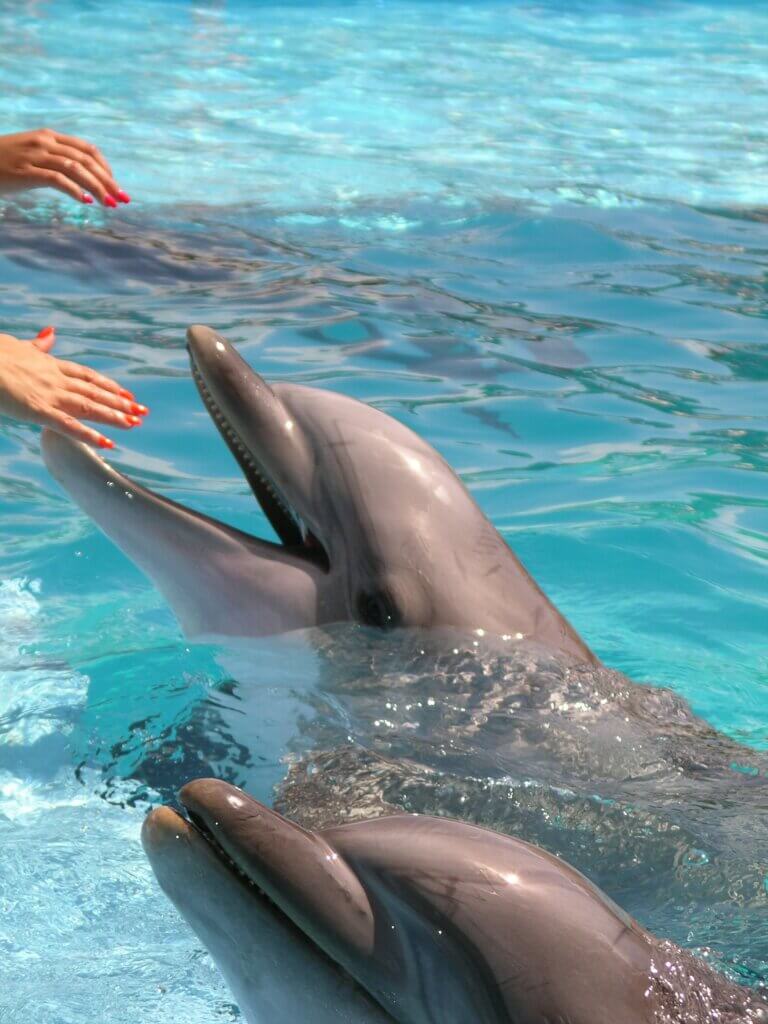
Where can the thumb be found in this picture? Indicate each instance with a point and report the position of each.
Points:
(45, 339)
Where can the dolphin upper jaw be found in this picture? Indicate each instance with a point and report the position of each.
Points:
(298, 870)
(262, 435)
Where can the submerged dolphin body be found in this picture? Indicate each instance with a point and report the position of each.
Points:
(415, 919)
(375, 527)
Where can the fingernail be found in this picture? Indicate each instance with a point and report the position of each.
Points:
(85, 198)
(104, 442)
(133, 421)
(123, 196)
(127, 394)
(110, 201)
(142, 410)
(46, 332)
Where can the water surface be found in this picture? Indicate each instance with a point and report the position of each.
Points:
(533, 232)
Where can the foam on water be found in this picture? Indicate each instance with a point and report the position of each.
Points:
(78, 902)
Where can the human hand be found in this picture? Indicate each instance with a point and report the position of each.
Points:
(48, 159)
(36, 387)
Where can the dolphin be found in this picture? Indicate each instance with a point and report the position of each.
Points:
(374, 526)
(416, 919)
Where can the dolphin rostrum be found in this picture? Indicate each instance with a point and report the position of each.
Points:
(415, 919)
(374, 526)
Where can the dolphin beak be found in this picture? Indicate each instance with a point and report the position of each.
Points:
(259, 432)
(298, 870)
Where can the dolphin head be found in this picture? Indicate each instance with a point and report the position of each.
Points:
(374, 526)
(432, 919)
(369, 500)
(274, 971)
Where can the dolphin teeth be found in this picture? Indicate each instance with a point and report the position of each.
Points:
(244, 455)
(222, 854)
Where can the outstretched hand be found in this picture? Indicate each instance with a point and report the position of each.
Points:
(48, 159)
(36, 387)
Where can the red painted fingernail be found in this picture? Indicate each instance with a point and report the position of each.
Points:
(110, 201)
(127, 394)
(46, 332)
(142, 410)
(104, 442)
(133, 421)
(85, 198)
(123, 196)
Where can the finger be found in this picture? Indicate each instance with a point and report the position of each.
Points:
(91, 158)
(92, 178)
(91, 165)
(84, 147)
(78, 372)
(45, 340)
(75, 172)
(86, 409)
(96, 394)
(43, 178)
(62, 423)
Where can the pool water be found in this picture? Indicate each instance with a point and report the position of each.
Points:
(537, 233)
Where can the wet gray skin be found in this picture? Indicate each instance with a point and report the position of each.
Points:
(418, 919)
(375, 527)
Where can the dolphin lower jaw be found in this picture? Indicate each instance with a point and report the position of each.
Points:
(218, 580)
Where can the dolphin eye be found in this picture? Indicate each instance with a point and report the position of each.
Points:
(377, 608)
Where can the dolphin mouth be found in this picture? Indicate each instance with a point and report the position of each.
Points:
(291, 530)
(197, 824)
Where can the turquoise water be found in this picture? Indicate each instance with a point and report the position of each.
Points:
(533, 232)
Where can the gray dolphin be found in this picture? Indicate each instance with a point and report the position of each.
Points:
(418, 919)
(375, 527)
